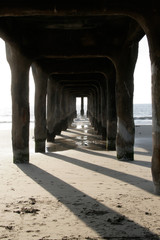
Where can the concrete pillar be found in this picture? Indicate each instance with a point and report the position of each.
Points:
(87, 113)
(95, 109)
(82, 106)
(72, 109)
(103, 110)
(89, 107)
(154, 47)
(19, 65)
(51, 109)
(111, 114)
(57, 125)
(65, 108)
(40, 132)
(125, 64)
(99, 109)
(71, 113)
(74, 112)
(92, 108)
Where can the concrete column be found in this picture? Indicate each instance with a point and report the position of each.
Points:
(95, 109)
(111, 114)
(71, 114)
(57, 126)
(40, 132)
(72, 109)
(154, 47)
(87, 113)
(53, 110)
(125, 65)
(103, 111)
(65, 107)
(89, 108)
(99, 109)
(51, 105)
(82, 106)
(92, 108)
(19, 65)
(74, 112)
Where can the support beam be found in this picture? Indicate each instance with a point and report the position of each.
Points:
(82, 106)
(64, 109)
(19, 65)
(111, 114)
(153, 36)
(51, 109)
(103, 96)
(125, 65)
(40, 132)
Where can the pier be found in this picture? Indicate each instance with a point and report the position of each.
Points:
(80, 50)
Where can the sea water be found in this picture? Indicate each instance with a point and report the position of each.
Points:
(6, 117)
(142, 115)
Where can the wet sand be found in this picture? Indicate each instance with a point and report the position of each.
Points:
(143, 137)
(77, 190)
(79, 135)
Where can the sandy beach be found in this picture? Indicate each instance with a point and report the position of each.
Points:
(78, 190)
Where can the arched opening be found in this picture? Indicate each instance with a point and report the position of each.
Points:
(142, 75)
(5, 91)
(142, 86)
(142, 89)
(142, 97)
(78, 105)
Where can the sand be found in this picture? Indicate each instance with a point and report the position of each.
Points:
(77, 190)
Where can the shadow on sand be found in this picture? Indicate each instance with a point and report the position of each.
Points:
(107, 223)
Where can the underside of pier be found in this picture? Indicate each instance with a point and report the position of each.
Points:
(80, 49)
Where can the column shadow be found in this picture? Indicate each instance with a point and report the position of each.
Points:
(139, 182)
(100, 154)
(100, 147)
(107, 223)
(64, 145)
(96, 153)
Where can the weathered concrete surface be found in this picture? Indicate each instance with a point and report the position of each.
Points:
(19, 65)
(125, 65)
(40, 79)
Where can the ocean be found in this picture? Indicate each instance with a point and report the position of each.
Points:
(142, 115)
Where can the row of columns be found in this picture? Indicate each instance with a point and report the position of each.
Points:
(115, 109)
(61, 109)
(112, 116)
(82, 106)
(121, 86)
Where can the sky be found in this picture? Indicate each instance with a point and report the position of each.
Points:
(142, 74)
(142, 77)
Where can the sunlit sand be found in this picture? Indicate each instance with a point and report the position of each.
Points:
(78, 190)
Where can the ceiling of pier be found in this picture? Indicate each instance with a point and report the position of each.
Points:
(65, 32)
